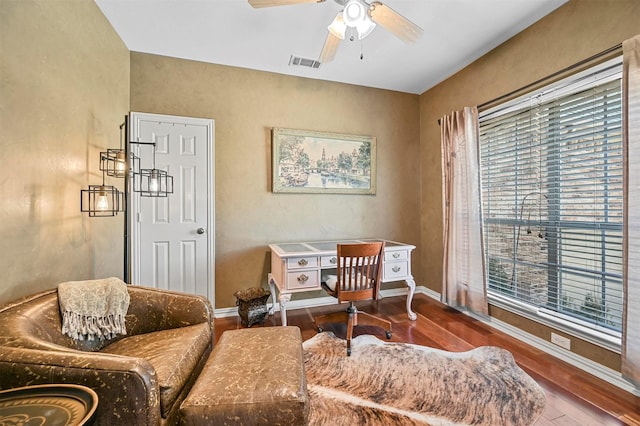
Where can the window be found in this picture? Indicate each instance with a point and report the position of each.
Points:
(551, 166)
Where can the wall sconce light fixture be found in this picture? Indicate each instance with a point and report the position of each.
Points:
(152, 182)
(114, 161)
(101, 200)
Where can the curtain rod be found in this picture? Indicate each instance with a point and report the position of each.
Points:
(556, 74)
(512, 94)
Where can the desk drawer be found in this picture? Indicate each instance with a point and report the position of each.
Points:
(303, 279)
(395, 271)
(329, 261)
(392, 256)
(302, 262)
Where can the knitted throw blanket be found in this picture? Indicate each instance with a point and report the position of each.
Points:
(93, 309)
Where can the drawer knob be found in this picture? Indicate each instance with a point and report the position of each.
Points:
(333, 260)
(303, 278)
(396, 255)
(396, 268)
(302, 262)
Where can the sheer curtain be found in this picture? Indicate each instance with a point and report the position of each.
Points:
(631, 105)
(463, 281)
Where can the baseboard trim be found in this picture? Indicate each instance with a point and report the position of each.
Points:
(610, 376)
(309, 303)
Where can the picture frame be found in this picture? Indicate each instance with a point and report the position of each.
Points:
(314, 162)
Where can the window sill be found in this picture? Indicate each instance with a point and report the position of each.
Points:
(595, 337)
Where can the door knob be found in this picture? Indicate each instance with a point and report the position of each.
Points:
(200, 231)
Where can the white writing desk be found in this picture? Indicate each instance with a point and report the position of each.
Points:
(296, 267)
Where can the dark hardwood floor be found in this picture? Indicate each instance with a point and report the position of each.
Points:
(573, 396)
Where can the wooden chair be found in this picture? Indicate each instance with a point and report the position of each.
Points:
(359, 273)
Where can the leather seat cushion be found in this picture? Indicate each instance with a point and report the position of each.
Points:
(173, 353)
(329, 283)
(253, 376)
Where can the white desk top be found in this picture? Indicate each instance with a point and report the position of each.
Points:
(326, 248)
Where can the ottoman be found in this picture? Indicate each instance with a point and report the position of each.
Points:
(254, 376)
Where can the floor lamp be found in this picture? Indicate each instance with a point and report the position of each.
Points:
(107, 200)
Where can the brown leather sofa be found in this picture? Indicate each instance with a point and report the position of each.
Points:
(140, 378)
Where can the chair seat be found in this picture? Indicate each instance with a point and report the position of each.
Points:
(173, 353)
(328, 284)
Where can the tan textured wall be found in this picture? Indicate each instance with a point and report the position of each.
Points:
(245, 105)
(575, 31)
(64, 89)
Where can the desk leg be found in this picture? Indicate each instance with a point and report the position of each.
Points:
(284, 299)
(272, 289)
(412, 288)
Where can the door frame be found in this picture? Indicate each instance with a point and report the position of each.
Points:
(132, 232)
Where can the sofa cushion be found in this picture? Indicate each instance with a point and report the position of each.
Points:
(173, 353)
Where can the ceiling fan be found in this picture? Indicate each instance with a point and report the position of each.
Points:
(358, 17)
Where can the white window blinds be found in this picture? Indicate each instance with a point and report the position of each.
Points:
(551, 166)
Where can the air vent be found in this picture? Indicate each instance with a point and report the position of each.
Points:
(303, 62)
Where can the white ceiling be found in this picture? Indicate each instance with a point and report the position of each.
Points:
(231, 32)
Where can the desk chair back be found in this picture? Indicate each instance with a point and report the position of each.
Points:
(359, 271)
(358, 278)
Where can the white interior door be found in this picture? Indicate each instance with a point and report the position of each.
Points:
(172, 238)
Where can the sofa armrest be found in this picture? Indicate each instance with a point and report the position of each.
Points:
(127, 388)
(154, 309)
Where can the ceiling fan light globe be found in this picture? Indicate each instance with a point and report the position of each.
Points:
(354, 13)
(338, 28)
(365, 28)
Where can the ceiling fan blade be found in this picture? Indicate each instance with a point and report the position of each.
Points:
(329, 49)
(271, 3)
(395, 23)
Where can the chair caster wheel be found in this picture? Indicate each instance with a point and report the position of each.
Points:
(348, 351)
(319, 329)
(388, 334)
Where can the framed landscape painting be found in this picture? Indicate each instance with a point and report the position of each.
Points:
(323, 163)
